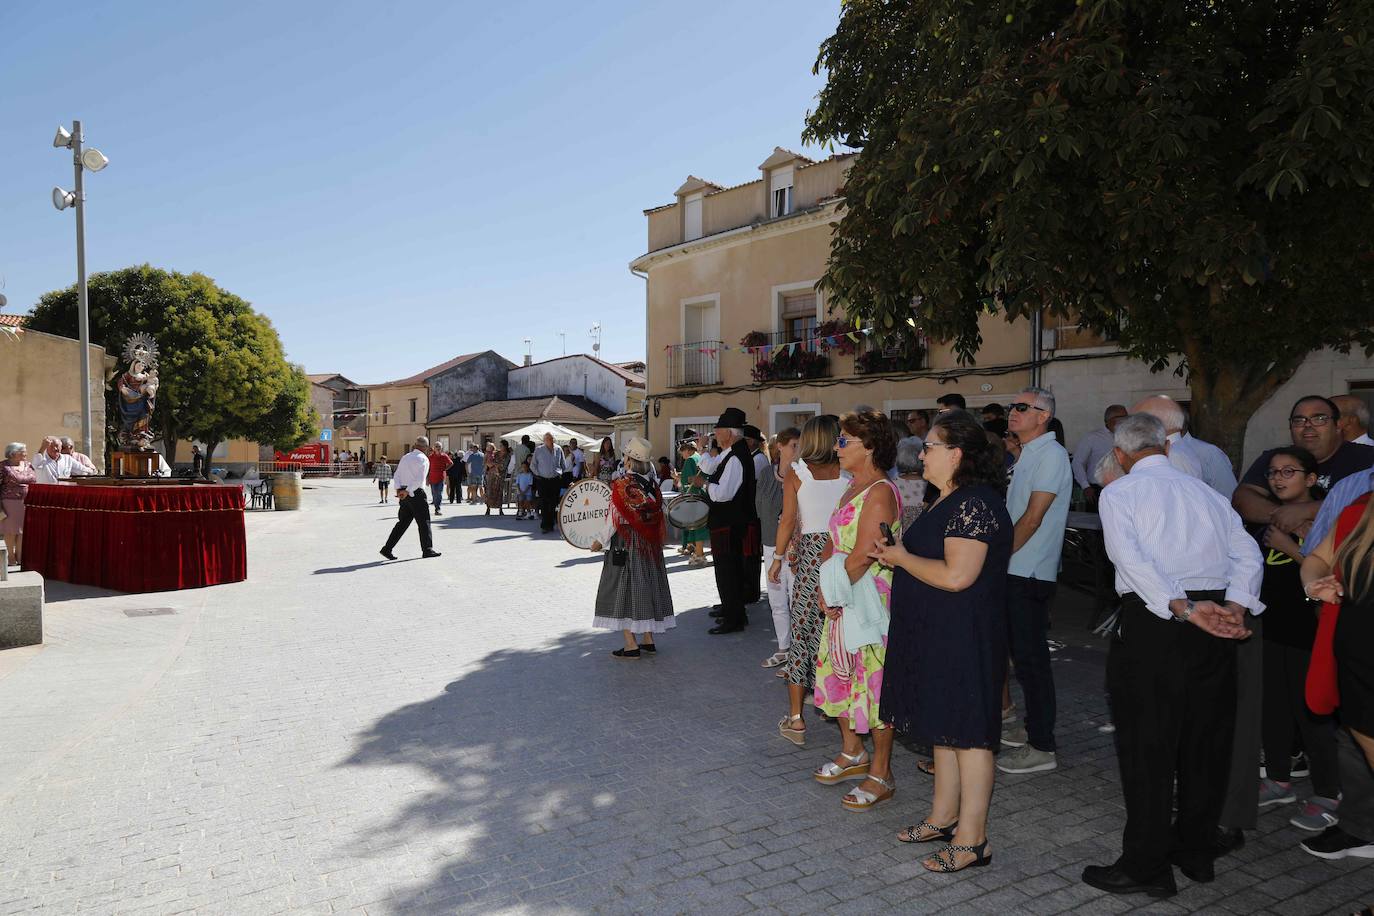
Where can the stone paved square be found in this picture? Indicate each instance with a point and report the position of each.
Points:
(449, 736)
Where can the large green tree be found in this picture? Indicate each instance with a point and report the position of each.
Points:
(1191, 177)
(222, 371)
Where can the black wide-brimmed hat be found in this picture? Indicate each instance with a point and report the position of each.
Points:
(733, 418)
(751, 432)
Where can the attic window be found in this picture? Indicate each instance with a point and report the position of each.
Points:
(691, 218)
(780, 192)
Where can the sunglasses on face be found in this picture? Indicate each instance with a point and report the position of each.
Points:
(841, 441)
(1285, 473)
(928, 445)
(1317, 420)
(1019, 407)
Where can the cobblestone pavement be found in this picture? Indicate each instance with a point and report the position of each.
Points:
(448, 735)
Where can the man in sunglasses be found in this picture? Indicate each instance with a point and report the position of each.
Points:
(1038, 503)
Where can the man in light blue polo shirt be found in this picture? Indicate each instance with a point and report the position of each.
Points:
(1038, 502)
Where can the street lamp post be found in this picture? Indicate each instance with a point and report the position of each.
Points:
(93, 160)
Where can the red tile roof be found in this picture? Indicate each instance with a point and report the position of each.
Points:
(14, 321)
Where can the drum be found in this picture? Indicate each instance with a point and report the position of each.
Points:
(582, 513)
(688, 512)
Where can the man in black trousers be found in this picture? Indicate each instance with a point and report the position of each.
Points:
(1187, 572)
(730, 492)
(412, 504)
(548, 466)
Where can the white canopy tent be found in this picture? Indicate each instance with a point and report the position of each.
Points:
(561, 434)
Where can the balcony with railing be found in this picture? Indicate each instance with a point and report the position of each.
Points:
(894, 354)
(694, 364)
(780, 357)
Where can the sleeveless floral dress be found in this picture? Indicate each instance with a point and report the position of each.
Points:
(855, 697)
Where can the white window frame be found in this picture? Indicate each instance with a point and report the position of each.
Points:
(780, 179)
(775, 409)
(778, 292)
(702, 425)
(695, 302)
(697, 198)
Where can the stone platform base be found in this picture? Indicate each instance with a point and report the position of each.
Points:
(21, 610)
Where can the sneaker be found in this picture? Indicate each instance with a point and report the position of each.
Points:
(1107, 729)
(1298, 766)
(1317, 814)
(1014, 736)
(1335, 843)
(1027, 759)
(1275, 793)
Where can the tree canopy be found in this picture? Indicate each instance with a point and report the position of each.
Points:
(1190, 177)
(222, 371)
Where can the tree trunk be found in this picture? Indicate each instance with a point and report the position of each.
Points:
(1223, 403)
(210, 446)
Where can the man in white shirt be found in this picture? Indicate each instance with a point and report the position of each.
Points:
(730, 492)
(579, 459)
(69, 448)
(548, 465)
(50, 465)
(1354, 421)
(1167, 411)
(1217, 471)
(1187, 572)
(1090, 449)
(412, 474)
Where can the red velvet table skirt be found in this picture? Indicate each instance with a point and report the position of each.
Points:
(136, 539)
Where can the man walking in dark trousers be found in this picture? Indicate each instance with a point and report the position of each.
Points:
(413, 504)
(548, 466)
(1187, 572)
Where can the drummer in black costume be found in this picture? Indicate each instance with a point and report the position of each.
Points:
(730, 491)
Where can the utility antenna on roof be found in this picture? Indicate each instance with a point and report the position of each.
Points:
(596, 339)
(563, 335)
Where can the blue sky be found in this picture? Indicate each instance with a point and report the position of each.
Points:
(392, 184)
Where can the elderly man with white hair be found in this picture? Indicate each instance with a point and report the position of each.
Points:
(412, 500)
(1169, 412)
(1187, 572)
(69, 448)
(1354, 421)
(51, 464)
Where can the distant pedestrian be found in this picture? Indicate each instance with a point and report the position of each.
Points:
(382, 472)
(197, 462)
(524, 484)
(476, 471)
(411, 497)
(456, 472)
(548, 466)
(494, 483)
(439, 463)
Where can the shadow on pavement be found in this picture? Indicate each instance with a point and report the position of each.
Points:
(357, 566)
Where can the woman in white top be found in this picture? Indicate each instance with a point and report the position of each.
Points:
(811, 491)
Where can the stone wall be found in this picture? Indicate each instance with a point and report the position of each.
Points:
(576, 375)
(482, 378)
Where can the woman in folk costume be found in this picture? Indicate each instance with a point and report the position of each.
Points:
(634, 596)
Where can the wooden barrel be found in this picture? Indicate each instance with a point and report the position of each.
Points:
(286, 491)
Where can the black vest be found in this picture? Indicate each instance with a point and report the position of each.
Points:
(739, 511)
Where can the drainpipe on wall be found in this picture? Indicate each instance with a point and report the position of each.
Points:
(645, 277)
(1037, 324)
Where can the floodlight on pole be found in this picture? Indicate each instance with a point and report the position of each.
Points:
(92, 160)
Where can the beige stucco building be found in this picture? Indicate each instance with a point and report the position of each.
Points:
(726, 263)
(40, 389)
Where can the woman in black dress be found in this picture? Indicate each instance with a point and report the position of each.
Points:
(947, 640)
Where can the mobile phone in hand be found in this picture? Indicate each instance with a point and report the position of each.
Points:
(886, 529)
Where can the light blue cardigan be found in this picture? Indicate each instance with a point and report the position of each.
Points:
(865, 616)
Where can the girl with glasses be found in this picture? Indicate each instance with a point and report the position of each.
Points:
(1290, 628)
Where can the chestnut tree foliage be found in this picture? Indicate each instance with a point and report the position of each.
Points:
(1191, 177)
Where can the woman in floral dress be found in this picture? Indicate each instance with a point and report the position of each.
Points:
(849, 679)
(495, 483)
(811, 490)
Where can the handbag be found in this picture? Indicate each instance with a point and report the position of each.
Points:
(620, 556)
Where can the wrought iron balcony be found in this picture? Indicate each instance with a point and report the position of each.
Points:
(695, 364)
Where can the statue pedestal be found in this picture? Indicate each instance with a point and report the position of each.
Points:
(133, 464)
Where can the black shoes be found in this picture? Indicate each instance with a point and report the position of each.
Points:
(387, 553)
(1335, 843)
(431, 553)
(717, 613)
(722, 629)
(1202, 874)
(1113, 880)
(1229, 840)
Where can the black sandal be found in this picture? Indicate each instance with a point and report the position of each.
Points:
(926, 766)
(626, 653)
(648, 647)
(910, 834)
(946, 862)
